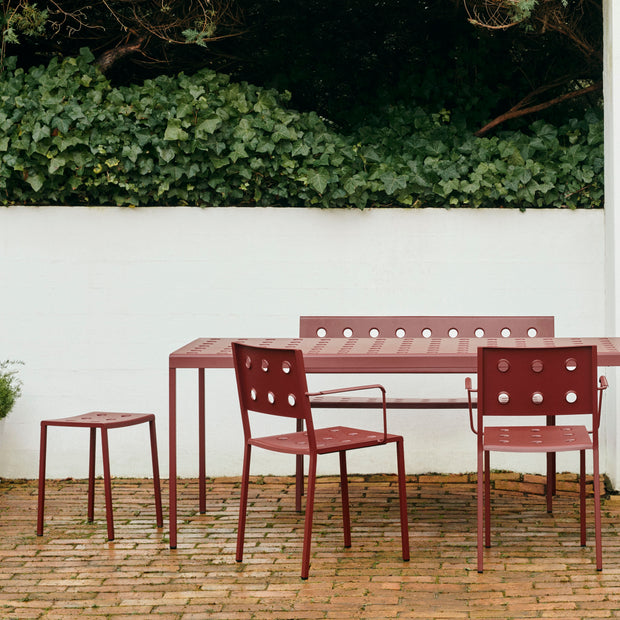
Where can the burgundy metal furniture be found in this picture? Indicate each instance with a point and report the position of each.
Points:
(339, 355)
(417, 327)
(273, 382)
(499, 327)
(515, 383)
(103, 421)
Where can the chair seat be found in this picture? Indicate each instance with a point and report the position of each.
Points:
(536, 438)
(332, 439)
(101, 419)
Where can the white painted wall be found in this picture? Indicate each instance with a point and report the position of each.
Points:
(611, 80)
(95, 299)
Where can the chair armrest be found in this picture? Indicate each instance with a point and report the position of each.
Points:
(357, 388)
(470, 391)
(603, 385)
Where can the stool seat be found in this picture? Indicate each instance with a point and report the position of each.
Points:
(99, 419)
(102, 420)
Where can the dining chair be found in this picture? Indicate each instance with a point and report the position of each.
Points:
(515, 383)
(273, 382)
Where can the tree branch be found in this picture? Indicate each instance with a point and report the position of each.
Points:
(518, 110)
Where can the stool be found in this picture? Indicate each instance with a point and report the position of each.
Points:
(104, 421)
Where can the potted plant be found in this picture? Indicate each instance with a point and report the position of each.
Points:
(10, 386)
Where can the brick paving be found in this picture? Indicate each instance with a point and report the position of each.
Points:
(535, 570)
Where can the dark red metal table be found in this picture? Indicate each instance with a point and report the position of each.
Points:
(341, 355)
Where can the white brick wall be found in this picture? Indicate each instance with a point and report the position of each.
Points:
(94, 300)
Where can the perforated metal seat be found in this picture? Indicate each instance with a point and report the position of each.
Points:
(273, 382)
(550, 382)
(104, 421)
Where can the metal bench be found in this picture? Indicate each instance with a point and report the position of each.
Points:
(417, 327)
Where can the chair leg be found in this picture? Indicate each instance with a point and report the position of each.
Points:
(156, 482)
(107, 483)
(551, 467)
(402, 498)
(305, 561)
(487, 499)
(42, 459)
(299, 471)
(597, 510)
(91, 475)
(480, 508)
(243, 502)
(582, 495)
(344, 492)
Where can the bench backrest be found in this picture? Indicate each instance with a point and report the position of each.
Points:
(426, 326)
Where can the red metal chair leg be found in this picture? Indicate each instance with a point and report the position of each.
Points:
(344, 492)
(156, 482)
(299, 471)
(243, 502)
(42, 458)
(480, 509)
(91, 474)
(305, 562)
(582, 495)
(487, 499)
(107, 483)
(402, 498)
(597, 511)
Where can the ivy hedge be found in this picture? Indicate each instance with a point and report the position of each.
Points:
(67, 137)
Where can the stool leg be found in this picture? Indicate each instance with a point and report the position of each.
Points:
(91, 476)
(42, 458)
(157, 486)
(107, 483)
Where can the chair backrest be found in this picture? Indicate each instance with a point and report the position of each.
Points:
(271, 381)
(537, 381)
(425, 326)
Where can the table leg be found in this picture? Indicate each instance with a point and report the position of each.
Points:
(172, 434)
(202, 450)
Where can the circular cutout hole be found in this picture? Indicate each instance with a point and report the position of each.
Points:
(537, 365)
(427, 333)
(400, 332)
(321, 332)
(347, 332)
(374, 332)
(503, 365)
(532, 332)
(264, 365)
(571, 397)
(571, 364)
(503, 398)
(505, 332)
(292, 400)
(479, 333)
(271, 397)
(453, 332)
(537, 398)
(248, 362)
(253, 394)
(286, 367)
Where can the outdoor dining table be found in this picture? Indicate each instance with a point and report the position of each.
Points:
(342, 355)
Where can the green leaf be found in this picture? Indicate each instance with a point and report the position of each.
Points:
(318, 179)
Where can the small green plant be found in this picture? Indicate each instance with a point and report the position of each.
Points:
(10, 386)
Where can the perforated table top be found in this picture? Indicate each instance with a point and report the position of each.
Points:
(389, 355)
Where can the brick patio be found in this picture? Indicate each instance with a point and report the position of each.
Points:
(536, 570)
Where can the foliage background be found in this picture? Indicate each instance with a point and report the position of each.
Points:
(357, 104)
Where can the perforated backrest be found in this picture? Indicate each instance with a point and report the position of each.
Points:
(271, 381)
(425, 326)
(537, 381)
